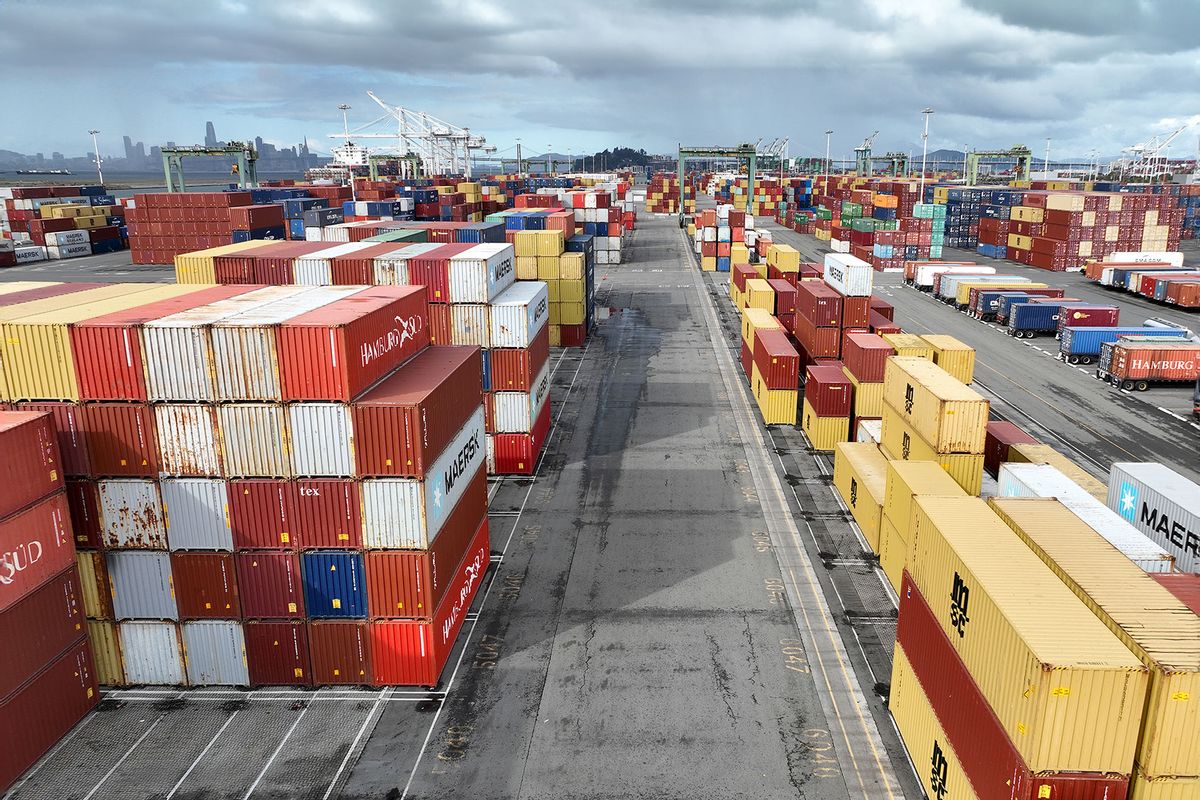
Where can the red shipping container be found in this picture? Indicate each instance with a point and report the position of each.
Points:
(410, 584)
(517, 453)
(338, 351)
(340, 653)
(403, 424)
(1185, 586)
(120, 440)
(989, 759)
(440, 327)
(83, 502)
(1000, 437)
(741, 273)
(72, 438)
(856, 312)
(253, 218)
(45, 709)
(572, 335)
(747, 359)
(205, 585)
(269, 585)
(35, 545)
(828, 390)
(866, 355)
(277, 653)
(358, 268)
(514, 369)
(40, 628)
(777, 360)
(327, 514)
(414, 653)
(1154, 362)
(432, 269)
(1184, 295)
(43, 292)
(785, 296)
(820, 303)
(108, 349)
(272, 264)
(32, 467)
(1085, 315)
(883, 307)
(817, 342)
(261, 514)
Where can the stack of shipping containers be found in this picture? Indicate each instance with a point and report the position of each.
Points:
(57, 222)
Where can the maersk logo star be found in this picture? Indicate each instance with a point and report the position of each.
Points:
(1128, 501)
(437, 498)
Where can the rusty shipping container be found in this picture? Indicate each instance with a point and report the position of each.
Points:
(39, 628)
(277, 653)
(187, 440)
(270, 585)
(340, 651)
(205, 586)
(94, 584)
(131, 514)
(38, 470)
(35, 545)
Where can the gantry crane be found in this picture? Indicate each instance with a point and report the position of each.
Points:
(1018, 153)
(743, 152)
(244, 156)
(897, 163)
(1146, 160)
(862, 156)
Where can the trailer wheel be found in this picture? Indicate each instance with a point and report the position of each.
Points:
(1072, 359)
(1127, 385)
(1143, 386)
(1086, 360)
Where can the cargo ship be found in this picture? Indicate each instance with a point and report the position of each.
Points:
(44, 172)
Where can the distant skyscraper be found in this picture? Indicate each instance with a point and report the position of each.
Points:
(258, 143)
(210, 135)
(128, 148)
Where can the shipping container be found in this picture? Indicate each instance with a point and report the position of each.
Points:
(94, 584)
(514, 370)
(517, 453)
(1160, 630)
(254, 440)
(859, 475)
(1001, 436)
(322, 439)
(270, 585)
(1184, 585)
(316, 268)
(1082, 345)
(1045, 454)
(518, 314)
(277, 653)
(215, 653)
(83, 503)
(340, 653)
(340, 350)
(152, 653)
(414, 652)
(515, 412)
(1137, 365)
(39, 469)
(327, 514)
(142, 586)
(908, 344)
(776, 360)
(105, 639)
(900, 441)
(1069, 703)
(121, 440)
(392, 269)
(262, 514)
(754, 319)
(196, 513)
(35, 545)
(197, 267)
(39, 628)
(480, 273)
(949, 415)
(188, 442)
(205, 586)
(953, 356)
(406, 421)
(1087, 315)
(1162, 504)
(823, 432)
(865, 355)
(72, 435)
(131, 514)
(849, 275)
(406, 514)
(827, 390)
(334, 584)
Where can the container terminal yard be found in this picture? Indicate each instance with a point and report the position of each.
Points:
(425, 472)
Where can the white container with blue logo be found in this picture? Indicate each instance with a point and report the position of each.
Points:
(1162, 504)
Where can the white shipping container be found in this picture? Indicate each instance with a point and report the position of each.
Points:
(27, 254)
(925, 273)
(254, 440)
(245, 352)
(152, 653)
(142, 585)
(470, 324)
(1175, 259)
(491, 454)
(196, 512)
(1044, 480)
(315, 269)
(850, 275)
(188, 442)
(177, 349)
(402, 513)
(314, 234)
(1162, 504)
(322, 438)
(391, 269)
(68, 251)
(482, 272)
(214, 652)
(519, 313)
(515, 412)
(60, 238)
(131, 513)
(602, 256)
(869, 430)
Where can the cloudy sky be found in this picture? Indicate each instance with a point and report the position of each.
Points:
(1100, 74)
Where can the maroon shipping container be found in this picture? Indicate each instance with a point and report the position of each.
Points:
(517, 453)
(785, 296)
(72, 437)
(740, 274)
(340, 653)
(414, 652)
(1184, 585)
(1001, 436)
(205, 585)
(269, 585)
(277, 653)
(340, 350)
(820, 303)
(777, 360)
(33, 719)
(120, 440)
(883, 307)
(817, 342)
(747, 359)
(410, 584)
(108, 349)
(403, 424)
(514, 370)
(327, 514)
(856, 312)
(432, 269)
(1147, 361)
(1184, 294)
(83, 501)
(243, 267)
(1086, 315)
(879, 324)
(828, 390)
(988, 758)
(261, 514)
(865, 355)
(252, 218)
(40, 628)
(32, 466)
(43, 292)
(358, 268)
(35, 545)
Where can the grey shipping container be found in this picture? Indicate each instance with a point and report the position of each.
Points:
(141, 584)
(322, 440)
(214, 652)
(1162, 504)
(152, 654)
(196, 511)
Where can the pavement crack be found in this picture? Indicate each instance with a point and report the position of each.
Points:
(721, 677)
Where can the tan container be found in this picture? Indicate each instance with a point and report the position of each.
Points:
(756, 319)
(952, 355)
(784, 257)
(1147, 618)
(1067, 692)
(907, 479)
(1170, 788)
(197, 267)
(923, 736)
(893, 552)
(859, 475)
(1045, 454)
(527, 268)
(525, 243)
(93, 582)
(571, 266)
(106, 652)
(778, 406)
(909, 344)
(759, 294)
(868, 397)
(948, 414)
(900, 442)
(824, 432)
(548, 267)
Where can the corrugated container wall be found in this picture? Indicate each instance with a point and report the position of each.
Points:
(131, 514)
(188, 441)
(35, 545)
(215, 653)
(1162, 504)
(196, 512)
(142, 585)
(152, 653)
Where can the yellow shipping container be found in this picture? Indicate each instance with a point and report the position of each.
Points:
(549, 243)
(868, 397)
(527, 268)
(759, 294)
(908, 479)
(735, 296)
(1045, 454)
(1026, 214)
(778, 406)
(547, 268)
(784, 257)
(197, 267)
(571, 266)
(555, 313)
(552, 290)
(902, 443)
(859, 475)
(1067, 692)
(86, 223)
(739, 253)
(760, 268)
(555, 333)
(571, 313)
(570, 291)
(893, 553)
(1170, 788)
(923, 736)
(754, 319)
(909, 344)
(106, 652)
(1072, 201)
(38, 360)
(525, 243)
(1147, 618)
(1016, 240)
(947, 413)
(93, 582)
(824, 432)
(952, 355)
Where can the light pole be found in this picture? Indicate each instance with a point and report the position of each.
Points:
(549, 160)
(350, 167)
(924, 149)
(966, 147)
(1047, 162)
(828, 133)
(520, 166)
(96, 147)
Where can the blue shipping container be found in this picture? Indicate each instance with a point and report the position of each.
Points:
(1030, 318)
(296, 228)
(487, 369)
(320, 217)
(334, 585)
(275, 232)
(1086, 341)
